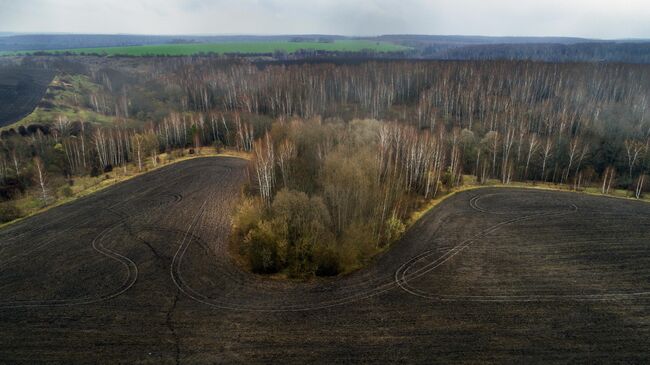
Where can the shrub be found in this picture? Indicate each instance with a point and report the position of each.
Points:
(300, 257)
(292, 234)
(176, 154)
(218, 146)
(266, 248)
(358, 245)
(67, 191)
(447, 179)
(8, 212)
(394, 229)
(327, 261)
(306, 220)
(12, 188)
(248, 214)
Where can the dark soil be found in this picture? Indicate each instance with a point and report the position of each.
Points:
(139, 273)
(21, 89)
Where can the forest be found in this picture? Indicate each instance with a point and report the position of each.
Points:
(341, 153)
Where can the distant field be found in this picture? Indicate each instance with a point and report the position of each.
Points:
(235, 47)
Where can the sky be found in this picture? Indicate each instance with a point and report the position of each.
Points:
(607, 19)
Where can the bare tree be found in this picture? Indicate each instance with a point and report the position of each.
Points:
(573, 150)
(639, 186)
(40, 170)
(634, 149)
(286, 152)
(608, 179)
(264, 162)
(508, 140)
(137, 143)
(546, 153)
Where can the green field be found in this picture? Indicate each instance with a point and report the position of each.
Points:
(235, 47)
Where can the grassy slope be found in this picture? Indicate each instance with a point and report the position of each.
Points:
(66, 95)
(237, 47)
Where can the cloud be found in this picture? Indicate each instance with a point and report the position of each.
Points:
(587, 18)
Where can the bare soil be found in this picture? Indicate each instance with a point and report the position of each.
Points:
(140, 273)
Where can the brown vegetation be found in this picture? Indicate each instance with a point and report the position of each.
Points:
(340, 196)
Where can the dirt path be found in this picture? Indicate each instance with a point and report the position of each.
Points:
(139, 273)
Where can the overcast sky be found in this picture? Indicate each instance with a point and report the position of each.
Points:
(585, 18)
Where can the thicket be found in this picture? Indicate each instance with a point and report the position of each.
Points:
(329, 195)
(9, 212)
